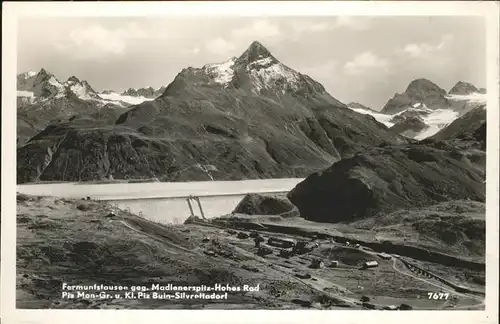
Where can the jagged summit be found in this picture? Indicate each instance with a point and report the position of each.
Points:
(256, 72)
(43, 75)
(73, 79)
(256, 52)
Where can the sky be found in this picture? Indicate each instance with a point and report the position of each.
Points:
(356, 58)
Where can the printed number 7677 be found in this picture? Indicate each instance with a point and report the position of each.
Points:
(438, 295)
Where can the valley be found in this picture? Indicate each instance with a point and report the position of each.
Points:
(323, 205)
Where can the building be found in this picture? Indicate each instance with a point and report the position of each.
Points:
(282, 243)
(333, 264)
(385, 256)
(370, 264)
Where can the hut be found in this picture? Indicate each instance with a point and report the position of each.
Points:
(370, 264)
(282, 243)
(333, 264)
(385, 256)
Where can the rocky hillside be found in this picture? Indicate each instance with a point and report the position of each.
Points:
(388, 178)
(250, 117)
(457, 226)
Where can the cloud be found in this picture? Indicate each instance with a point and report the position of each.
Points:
(260, 30)
(95, 41)
(364, 62)
(348, 22)
(219, 46)
(257, 30)
(302, 26)
(353, 22)
(424, 50)
(321, 72)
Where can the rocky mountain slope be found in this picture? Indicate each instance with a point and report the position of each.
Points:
(249, 117)
(384, 179)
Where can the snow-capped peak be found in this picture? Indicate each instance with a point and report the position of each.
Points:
(255, 52)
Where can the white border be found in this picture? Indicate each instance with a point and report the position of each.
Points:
(12, 10)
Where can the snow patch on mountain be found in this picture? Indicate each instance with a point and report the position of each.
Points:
(223, 72)
(29, 74)
(437, 120)
(260, 62)
(80, 91)
(116, 97)
(267, 77)
(23, 93)
(60, 90)
(475, 97)
(382, 118)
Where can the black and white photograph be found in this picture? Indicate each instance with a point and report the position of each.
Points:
(277, 162)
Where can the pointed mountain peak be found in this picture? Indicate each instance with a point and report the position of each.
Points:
(43, 72)
(424, 85)
(44, 75)
(256, 52)
(463, 88)
(73, 79)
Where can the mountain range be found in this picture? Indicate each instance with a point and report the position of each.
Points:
(148, 92)
(424, 108)
(249, 117)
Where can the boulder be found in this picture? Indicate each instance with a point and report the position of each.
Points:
(259, 204)
(242, 235)
(405, 307)
(264, 250)
(303, 275)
